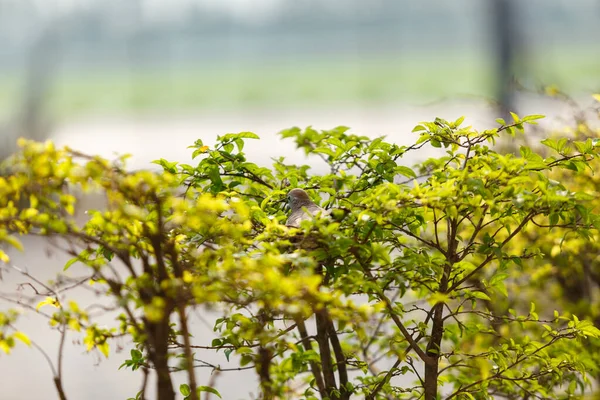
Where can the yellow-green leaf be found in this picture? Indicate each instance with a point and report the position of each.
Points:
(480, 295)
(104, 348)
(22, 337)
(74, 324)
(4, 346)
(70, 262)
(438, 298)
(14, 242)
(210, 390)
(51, 301)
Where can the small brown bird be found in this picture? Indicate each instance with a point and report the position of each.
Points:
(299, 202)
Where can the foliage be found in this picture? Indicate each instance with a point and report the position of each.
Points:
(403, 284)
(570, 271)
(568, 274)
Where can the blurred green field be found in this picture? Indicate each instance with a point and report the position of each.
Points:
(418, 79)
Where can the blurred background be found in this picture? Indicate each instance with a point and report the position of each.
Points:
(151, 76)
(148, 77)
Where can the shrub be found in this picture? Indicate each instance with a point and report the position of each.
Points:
(403, 278)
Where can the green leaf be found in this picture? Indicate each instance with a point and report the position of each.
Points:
(215, 176)
(70, 262)
(228, 147)
(480, 295)
(240, 144)
(245, 360)
(167, 166)
(572, 387)
(197, 143)
(136, 355)
(400, 169)
(423, 137)
(184, 389)
(550, 143)
(499, 277)
(106, 253)
(244, 350)
(209, 390)
(532, 117)
(248, 135)
(588, 329)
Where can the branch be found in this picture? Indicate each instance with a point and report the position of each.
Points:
(252, 177)
(325, 351)
(189, 358)
(315, 368)
(145, 371)
(498, 375)
(365, 349)
(420, 239)
(389, 306)
(264, 362)
(385, 380)
(339, 356)
(58, 377)
(491, 256)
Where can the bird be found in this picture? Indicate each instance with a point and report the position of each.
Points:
(302, 208)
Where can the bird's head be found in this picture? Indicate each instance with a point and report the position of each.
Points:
(298, 198)
(297, 195)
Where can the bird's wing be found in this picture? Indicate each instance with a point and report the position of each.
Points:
(297, 216)
(294, 219)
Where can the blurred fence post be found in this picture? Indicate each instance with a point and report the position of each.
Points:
(505, 36)
(41, 69)
(32, 120)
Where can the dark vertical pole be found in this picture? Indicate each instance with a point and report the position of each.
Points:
(505, 37)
